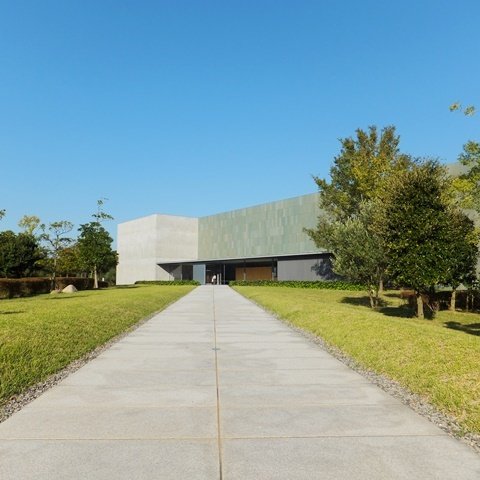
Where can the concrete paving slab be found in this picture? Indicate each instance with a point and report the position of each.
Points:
(107, 460)
(90, 375)
(291, 377)
(349, 458)
(302, 395)
(275, 363)
(324, 421)
(110, 422)
(158, 363)
(148, 397)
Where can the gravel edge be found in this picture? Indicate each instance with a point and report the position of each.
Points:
(17, 402)
(416, 402)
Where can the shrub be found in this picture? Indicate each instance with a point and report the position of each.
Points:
(326, 285)
(167, 282)
(25, 287)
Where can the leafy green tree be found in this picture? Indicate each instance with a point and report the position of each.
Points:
(29, 224)
(358, 178)
(95, 249)
(19, 254)
(358, 251)
(2, 213)
(69, 262)
(54, 235)
(360, 171)
(416, 227)
(467, 185)
(463, 252)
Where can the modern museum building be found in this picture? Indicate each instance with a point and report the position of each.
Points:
(263, 242)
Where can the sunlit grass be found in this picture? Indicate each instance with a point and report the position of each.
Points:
(438, 359)
(41, 335)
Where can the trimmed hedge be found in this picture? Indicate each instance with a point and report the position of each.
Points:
(325, 285)
(25, 287)
(167, 282)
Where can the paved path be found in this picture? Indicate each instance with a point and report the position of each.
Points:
(215, 388)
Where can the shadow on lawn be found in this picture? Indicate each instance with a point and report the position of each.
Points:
(12, 312)
(388, 310)
(70, 296)
(471, 328)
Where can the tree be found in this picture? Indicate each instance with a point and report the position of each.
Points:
(467, 185)
(95, 250)
(2, 213)
(360, 171)
(69, 263)
(19, 254)
(463, 251)
(358, 177)
(29, 224)
(416, 227)
(54, 236)
(358, 251)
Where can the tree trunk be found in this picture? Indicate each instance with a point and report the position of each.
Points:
(372, 300)
(380, 286)
(95, 277)
(420, 306)
(453, 300)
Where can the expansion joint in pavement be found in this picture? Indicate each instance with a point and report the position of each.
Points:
(219, 433)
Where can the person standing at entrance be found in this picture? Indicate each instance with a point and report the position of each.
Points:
(214, 280)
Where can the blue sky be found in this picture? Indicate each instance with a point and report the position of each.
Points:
(196, 107)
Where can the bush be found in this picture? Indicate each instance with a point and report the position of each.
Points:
(326, 285)
(167, 282)
(25, 287)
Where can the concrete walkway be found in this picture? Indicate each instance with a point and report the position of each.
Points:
(215, 388)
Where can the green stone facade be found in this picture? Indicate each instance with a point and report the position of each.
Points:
(270, 229)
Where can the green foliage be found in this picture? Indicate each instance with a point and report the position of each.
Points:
(167, 282)
(2, 213)
(462, 250)
(415, 227)
(29, 224)
(95, 248)
(428, 241)
(359, 254)
(360, 170)
(358, 178)
(69, 262)
(23, 287)
(468, 110)
(55, 240)
(19, 254)
(467, 185)
(324, 285)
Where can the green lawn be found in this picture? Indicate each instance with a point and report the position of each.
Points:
(41, 335)
(438, 359)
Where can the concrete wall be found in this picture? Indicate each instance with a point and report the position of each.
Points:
(147, 241)
(270, 229)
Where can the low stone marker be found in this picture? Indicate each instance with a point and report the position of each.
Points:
(70, 289)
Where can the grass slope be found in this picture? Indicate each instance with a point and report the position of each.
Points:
(441, 364)
(43, 334)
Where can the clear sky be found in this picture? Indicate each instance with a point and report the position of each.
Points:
(196, 107)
